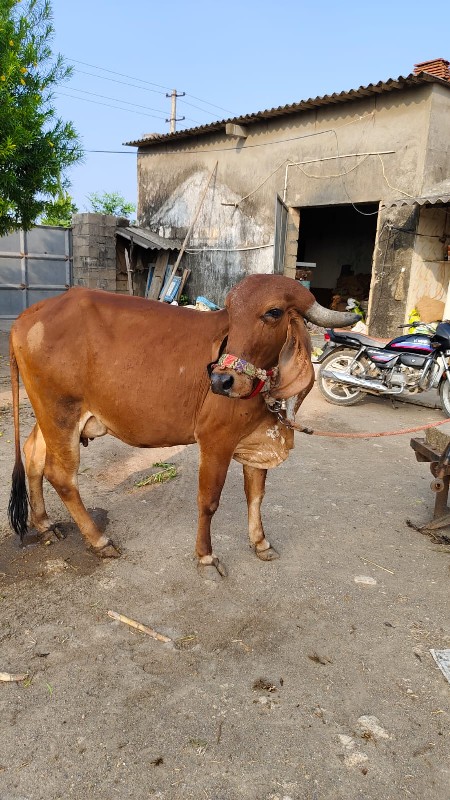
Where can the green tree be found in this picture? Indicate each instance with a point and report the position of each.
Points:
(110, 203)
(60, 211)
(36, 146)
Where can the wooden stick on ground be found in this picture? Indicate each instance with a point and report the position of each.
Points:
(138, 625)
(385, 569)
(9, 677)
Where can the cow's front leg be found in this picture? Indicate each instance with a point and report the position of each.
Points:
(212, 473)
(254, 485)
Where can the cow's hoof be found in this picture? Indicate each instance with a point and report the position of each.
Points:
(211, 569)
(107, 550)
(268, 555)
(51, 534)
(58, 532)
(209, 573)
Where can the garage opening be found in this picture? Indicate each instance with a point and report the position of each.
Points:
(335, 250)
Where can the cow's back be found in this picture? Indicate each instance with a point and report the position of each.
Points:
(137, 365)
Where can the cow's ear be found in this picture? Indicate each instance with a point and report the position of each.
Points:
(295, 370)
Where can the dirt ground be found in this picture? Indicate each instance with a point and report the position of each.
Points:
(266, 691)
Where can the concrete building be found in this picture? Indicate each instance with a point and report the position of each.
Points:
(355, 183)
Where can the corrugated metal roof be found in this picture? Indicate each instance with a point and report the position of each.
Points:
(421, 201)
(144, 237)
(435, 195)
(393, 84)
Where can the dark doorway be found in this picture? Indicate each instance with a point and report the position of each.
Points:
(339, 241)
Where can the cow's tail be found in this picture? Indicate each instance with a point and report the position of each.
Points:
(18, 501)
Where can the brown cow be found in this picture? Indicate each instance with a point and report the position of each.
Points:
(95, 363)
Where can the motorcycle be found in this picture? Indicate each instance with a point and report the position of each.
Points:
(353, 365)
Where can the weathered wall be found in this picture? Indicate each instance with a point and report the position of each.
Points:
(94, 250)
(220, 250)
(437, 156)
(393, 254)
(429, 271)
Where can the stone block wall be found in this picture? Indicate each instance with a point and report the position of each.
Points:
(94, 250)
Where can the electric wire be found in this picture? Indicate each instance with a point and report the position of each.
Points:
(108, 105)
(114, 80)
(228, 249)
(150, 83)
(205, 110)
(119, 100)
(364, 157)
(207, 103)
(121, 74)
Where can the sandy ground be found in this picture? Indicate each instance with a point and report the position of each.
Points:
(274, 670)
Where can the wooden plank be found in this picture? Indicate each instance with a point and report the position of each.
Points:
(151, 267)
(158, 275)
(129, 273)
(424, 450)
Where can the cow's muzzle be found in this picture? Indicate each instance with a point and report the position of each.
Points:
(221, 383)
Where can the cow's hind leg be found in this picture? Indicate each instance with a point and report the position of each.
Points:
(254, 485)
(61, 468)
(35, 451)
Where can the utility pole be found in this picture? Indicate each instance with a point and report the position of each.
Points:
(173, 115)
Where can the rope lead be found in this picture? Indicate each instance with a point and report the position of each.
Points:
(336, 435)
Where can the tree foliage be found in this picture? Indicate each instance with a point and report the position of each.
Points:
(110, 203)
(60, 211)
(36, 146)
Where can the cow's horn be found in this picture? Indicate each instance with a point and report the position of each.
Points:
(327, 318)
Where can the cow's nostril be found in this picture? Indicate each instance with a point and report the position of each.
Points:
(221, 384)
(227, 381)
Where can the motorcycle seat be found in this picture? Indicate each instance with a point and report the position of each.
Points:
(360, 337)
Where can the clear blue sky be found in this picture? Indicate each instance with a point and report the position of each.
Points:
(230, 58)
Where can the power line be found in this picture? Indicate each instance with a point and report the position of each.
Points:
(108, 105)
(227, 110)
(205, 110)
(134, 86)
(115, 100)
(119, 100)
(104, 69)
(149, 83)
(124, 83)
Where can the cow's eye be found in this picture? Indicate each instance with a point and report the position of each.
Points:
(274, 313)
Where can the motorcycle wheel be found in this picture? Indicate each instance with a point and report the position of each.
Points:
(335, 392)
(444, 393)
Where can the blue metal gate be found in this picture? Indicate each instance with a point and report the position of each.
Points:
(34, 265)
